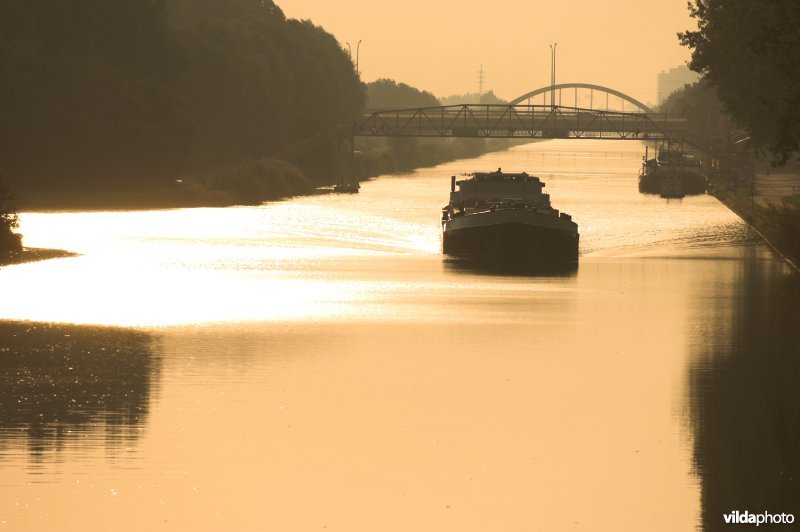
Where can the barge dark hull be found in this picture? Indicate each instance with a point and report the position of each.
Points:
(512, 241)
(690, 183)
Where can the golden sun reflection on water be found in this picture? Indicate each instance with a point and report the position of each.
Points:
(329, 257)
(276, 262)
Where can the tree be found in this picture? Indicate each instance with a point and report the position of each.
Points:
(389, 94)
(750, 51)
(488, 97)
(10, 241)
(102, 98)
(84, 92)
(255, 82)
(698, 103)
(194, 12)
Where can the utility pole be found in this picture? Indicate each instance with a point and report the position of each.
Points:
(480, 82)
(552, 74)
(350, 54)
(358, 49)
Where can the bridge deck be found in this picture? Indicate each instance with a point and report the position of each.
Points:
(519, 121)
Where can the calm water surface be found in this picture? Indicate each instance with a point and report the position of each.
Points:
(315, 364)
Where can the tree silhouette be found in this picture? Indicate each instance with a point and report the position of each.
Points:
(108, 98)
(10, 241)
(751, 52)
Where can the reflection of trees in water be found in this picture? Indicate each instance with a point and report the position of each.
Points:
(59, 382)
(745, 401)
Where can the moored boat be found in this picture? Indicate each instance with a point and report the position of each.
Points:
(347, 188)
(672, 171)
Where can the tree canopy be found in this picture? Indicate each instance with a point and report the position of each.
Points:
(109, 93)
(10, 240)
(750, 51)
(389, 94)
(488, 97)
(698, 103)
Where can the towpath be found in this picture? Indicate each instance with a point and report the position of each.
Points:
(771, 187)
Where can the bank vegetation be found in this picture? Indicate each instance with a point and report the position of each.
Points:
(116, 102)
(749, 54)
(10, 239)
(164, 103)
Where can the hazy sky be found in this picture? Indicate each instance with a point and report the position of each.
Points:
(439, 45)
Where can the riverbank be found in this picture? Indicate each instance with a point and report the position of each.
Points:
(258, 181)
(771, 206)
(35, 255)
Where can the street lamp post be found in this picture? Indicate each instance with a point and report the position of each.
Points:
(350, 53)
(358, 48)
(552, 74)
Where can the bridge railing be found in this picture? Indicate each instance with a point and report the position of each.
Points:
(519, 121)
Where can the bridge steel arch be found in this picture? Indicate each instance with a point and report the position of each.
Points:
(599, 88)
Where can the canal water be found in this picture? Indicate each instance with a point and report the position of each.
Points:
(314, 364)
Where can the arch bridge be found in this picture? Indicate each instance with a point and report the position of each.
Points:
(591, 116)
(582, 88)
(526, 120)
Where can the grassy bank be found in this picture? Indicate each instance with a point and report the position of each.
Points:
(248, 183)
(254, 182)
(778, 224)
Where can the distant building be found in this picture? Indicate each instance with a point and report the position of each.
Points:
(673, 79)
